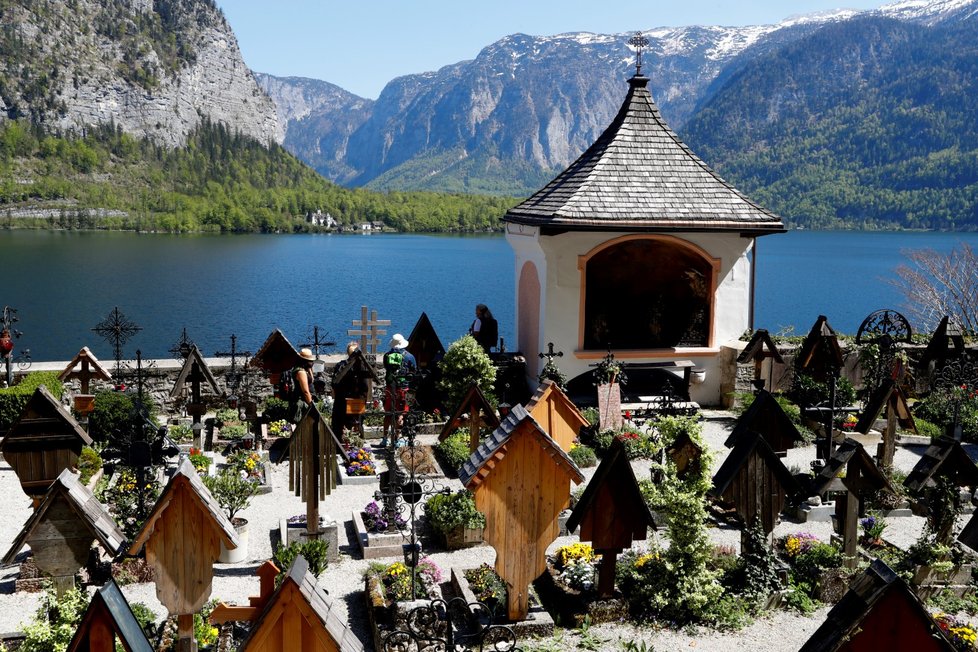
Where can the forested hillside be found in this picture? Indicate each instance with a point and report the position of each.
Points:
(220, 181)
(869, 123)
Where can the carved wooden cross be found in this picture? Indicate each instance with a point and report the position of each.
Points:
(368, 330)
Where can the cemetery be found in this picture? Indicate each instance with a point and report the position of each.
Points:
(642, 469)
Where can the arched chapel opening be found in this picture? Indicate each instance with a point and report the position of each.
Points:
(647, 293)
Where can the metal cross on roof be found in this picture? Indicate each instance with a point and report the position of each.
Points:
(638, 42)
(116, 329)
(182, 348)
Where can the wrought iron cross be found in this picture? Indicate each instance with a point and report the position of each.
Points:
(958, 377)
(232, 375)
(551, 354)
(182, 348)
(318, 343)
(638, 42)
(116, 329)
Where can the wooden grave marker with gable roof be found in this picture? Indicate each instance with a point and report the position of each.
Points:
(276, 356)
(890, 397)
(820, 354)
(109, 618)
(196, 371)
(760, 348)
(755, 482)
(424, 343)
(84, 367)
(558, 415)
(862, 479)
(685, 454)
(183, 536)
(61, 530)
(313, 467)
(480, 412)
(352, 386)
(612, 514)
(878, 612)
(766, 417)
(297, 615)
(944, 459)
(521, 479)
(946, 343)
(43, 441)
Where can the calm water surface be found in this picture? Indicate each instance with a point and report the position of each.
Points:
(63, 284)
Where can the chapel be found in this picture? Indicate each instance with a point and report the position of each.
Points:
(638, 247)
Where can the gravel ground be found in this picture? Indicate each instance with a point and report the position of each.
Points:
(234, 583)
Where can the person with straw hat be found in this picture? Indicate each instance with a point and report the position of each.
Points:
(300, 399)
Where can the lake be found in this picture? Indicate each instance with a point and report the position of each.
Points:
(64, 283)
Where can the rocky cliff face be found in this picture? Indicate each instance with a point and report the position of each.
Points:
(153, 67)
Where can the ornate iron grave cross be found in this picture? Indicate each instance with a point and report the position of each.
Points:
(959, 377)
(550, 369)
(233, 377)
(368, 330)
(182, 348)
(318, 342)
(883, 328)
(116, 329)
(638, 42)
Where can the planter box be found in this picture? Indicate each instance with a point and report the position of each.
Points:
(343, 478)
(538, 621)
(383, 616)
(461, 537)
(328, 531)
(375, 545)
(573, 606)
(929, 582)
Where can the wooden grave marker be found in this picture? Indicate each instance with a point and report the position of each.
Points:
(946, 343)
(61, 530)
(889, 397)
(369, 331)
(862, 479)
(755, 482)
(766, 417)
(297, 615)
(480, 412)
(758, 349)
(521, 479)
(43, 441)
(196, 371)
(183, 536)
(943, 459)
(352, 385)
(276, 356)
(108, 619)
(84, 367)
(313, 467)
(612, 514)
(558, 415)
(878, 612)
(685, 454)
(424, 343)
(820, 354)
(225, 613)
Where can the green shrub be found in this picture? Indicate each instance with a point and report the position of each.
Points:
(116, 418)
(55, 621)
(583, 456)
(89, 462)
(446, 512)
(938, 408)
(276, 409)
(465, 362)
(313, 551)
(807, 392)
(180, 434)
(232, 492)
(234, 431)
(14, 399)
(927, 429)
(145, 617)
(454, 451)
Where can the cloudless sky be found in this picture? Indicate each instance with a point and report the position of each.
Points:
(360, 45)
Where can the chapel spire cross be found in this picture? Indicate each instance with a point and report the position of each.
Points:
(638, 42)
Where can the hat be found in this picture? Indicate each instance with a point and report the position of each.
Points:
(306, 354)
(398, 341)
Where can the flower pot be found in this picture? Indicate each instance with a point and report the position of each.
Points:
(462, 537)
(240, 553)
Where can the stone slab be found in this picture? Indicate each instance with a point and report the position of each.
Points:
(376, 546)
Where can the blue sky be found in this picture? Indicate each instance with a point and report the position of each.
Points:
(360, 45)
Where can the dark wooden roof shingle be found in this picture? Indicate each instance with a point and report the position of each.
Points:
(639, 176)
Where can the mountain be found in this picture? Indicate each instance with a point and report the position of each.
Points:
(155, 68)
(869, 122)
(526, 106)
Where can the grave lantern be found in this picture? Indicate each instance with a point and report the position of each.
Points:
(521, 479)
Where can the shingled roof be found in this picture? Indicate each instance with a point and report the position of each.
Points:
(639, 176)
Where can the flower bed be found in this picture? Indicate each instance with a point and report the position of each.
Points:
(360, 462)
(567, 588)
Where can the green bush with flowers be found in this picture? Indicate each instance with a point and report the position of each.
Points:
(962, 634)
(575, 566)
(396, 580)
(465, 362)
(488, 587)
(583, 456)
(280, 428)
(446, 512)
(939, 407)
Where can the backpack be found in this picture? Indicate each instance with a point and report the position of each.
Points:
(286, 385)
(392, 364)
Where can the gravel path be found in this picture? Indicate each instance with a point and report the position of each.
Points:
(234, 583)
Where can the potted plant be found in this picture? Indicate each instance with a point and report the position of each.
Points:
(233, 493)
(455, 519)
